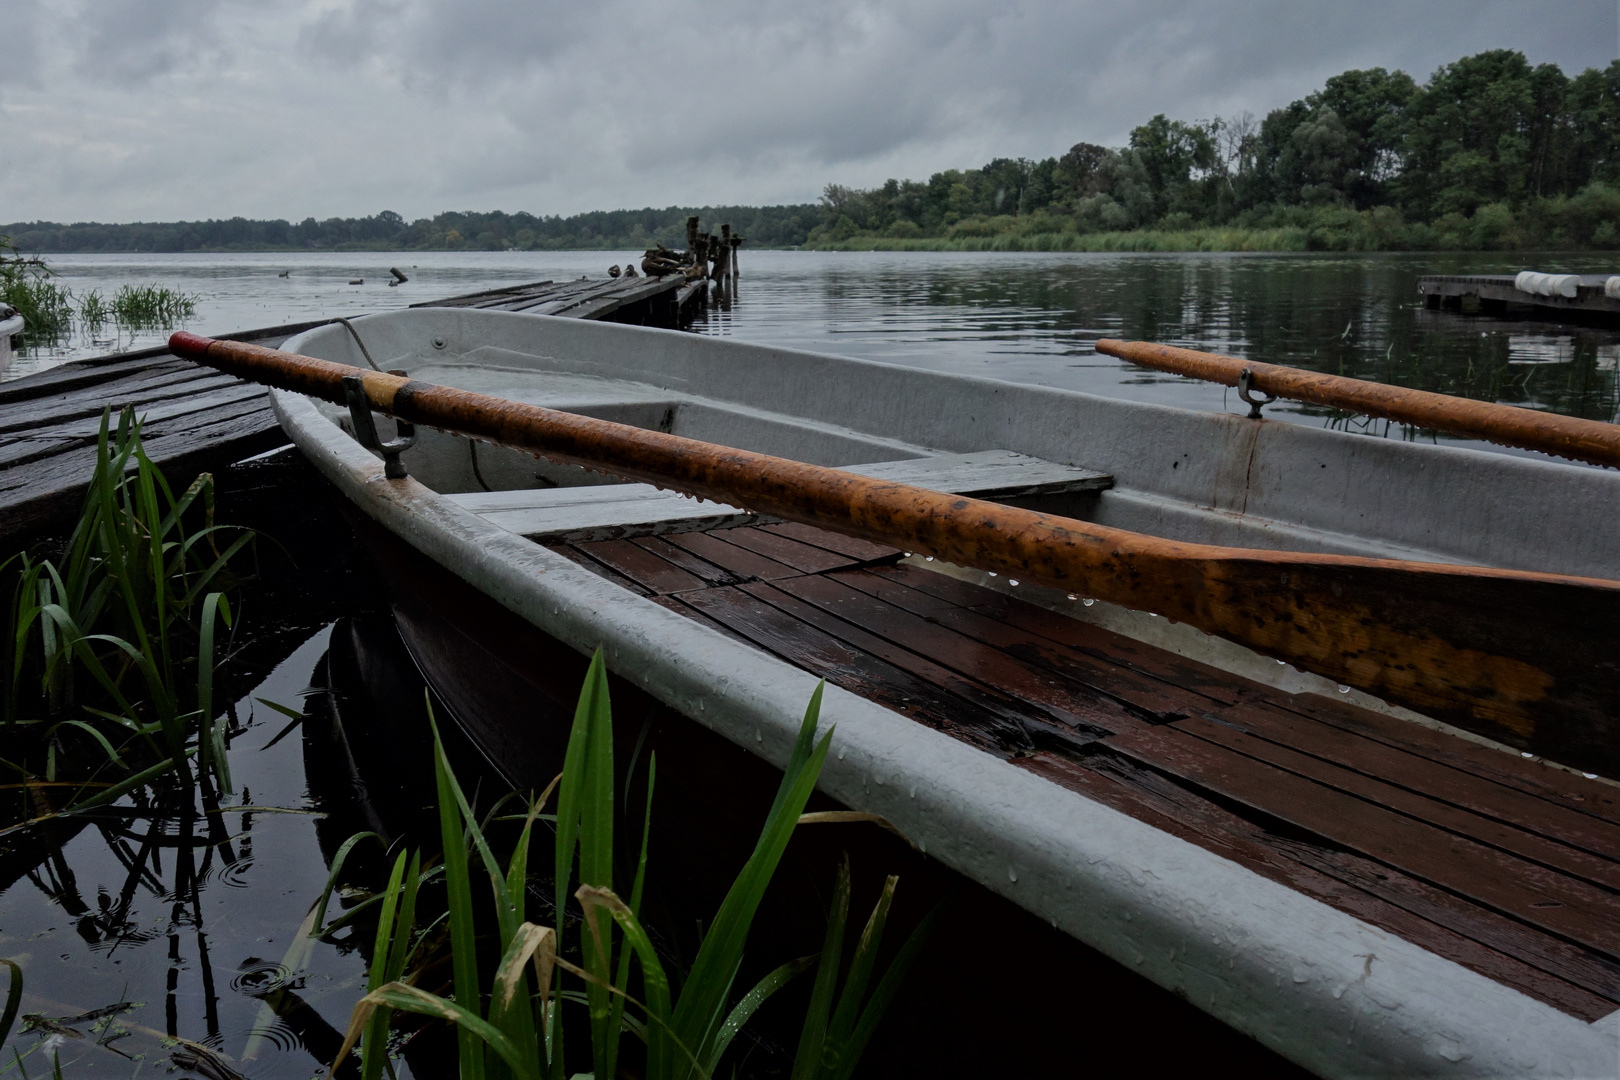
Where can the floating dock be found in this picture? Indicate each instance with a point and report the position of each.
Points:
(1497, 294)
(198, 420)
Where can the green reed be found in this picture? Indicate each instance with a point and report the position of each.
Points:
(118, 640)
(511, 1024)
(25, 284)
(145, 307)
(94, 310)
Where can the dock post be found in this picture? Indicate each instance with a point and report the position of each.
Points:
(725, 249)
(692, 234)
(736, 242)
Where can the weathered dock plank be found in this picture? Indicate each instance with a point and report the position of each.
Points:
(1496, 294)
(197, 419)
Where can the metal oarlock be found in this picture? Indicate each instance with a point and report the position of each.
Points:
(365, 428)
(1245, 383)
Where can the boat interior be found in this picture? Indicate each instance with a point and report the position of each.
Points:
(1505, 864)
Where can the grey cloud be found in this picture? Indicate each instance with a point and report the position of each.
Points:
(149, 109)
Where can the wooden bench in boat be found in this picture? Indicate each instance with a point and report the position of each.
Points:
(1507, 866)
(618, 511)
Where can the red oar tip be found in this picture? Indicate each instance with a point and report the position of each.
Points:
(189, 345)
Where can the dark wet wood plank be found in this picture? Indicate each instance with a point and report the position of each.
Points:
(851, 546)
(1427, 777)
(784, 549)
(1494, 879)
(1018, 718)
(711, 573)
(1113, 650)
(1557, 786)
(851, 668)
(573, 554)
(716, 548)
(1151, 698)
(1486, 830)
(1561, 974)
(1073, 705)
(642, 566)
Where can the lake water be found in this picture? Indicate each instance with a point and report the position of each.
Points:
(1024, 317)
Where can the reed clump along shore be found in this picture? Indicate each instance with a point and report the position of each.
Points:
(114, 642)
(49, 308)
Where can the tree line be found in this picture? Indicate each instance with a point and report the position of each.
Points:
(764, 226)
(1491, 149)
(1490, 152)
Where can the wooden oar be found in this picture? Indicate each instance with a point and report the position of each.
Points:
(1530, 659)
(1563, 436)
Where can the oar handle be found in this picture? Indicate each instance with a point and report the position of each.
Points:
(1531, 659)
(1591, 441)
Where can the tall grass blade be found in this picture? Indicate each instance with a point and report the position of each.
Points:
(860, 971)
(13, 999)
(807, 1062)
(210, 743)
(750, 1002)
(622, 980)
(463, 936)
(374, 1042)
(590, 714)
(405, 998)
(884, 994)
(700, 1013)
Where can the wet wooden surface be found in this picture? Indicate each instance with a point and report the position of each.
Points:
(198, 420)
(1507, 866)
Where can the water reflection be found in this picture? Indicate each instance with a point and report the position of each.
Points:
(1035, 318)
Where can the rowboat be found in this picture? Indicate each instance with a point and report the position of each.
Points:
(11, 327)
(1314, 729)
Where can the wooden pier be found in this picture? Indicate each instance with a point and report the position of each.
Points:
(1496, 294)
(197, 419)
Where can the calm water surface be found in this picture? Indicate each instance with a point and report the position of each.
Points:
(1024, 317)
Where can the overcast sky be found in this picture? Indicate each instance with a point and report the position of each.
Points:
(125, 110)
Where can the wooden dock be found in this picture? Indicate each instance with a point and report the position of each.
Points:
(1495, 294)
(197, 419)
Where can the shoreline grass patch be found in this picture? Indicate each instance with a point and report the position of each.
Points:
(152, 307)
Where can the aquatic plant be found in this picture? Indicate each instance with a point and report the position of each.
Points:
(688, 1030)
(118, 640)
(94, 311)
(145, 307)
(25, 284)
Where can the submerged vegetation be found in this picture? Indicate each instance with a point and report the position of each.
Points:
(513, 1021)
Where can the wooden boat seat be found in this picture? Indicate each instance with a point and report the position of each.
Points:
(617, 511)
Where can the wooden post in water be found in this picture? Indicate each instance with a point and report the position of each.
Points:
(692, 234)
(736, 242)
(725, 248)
(718, 254)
